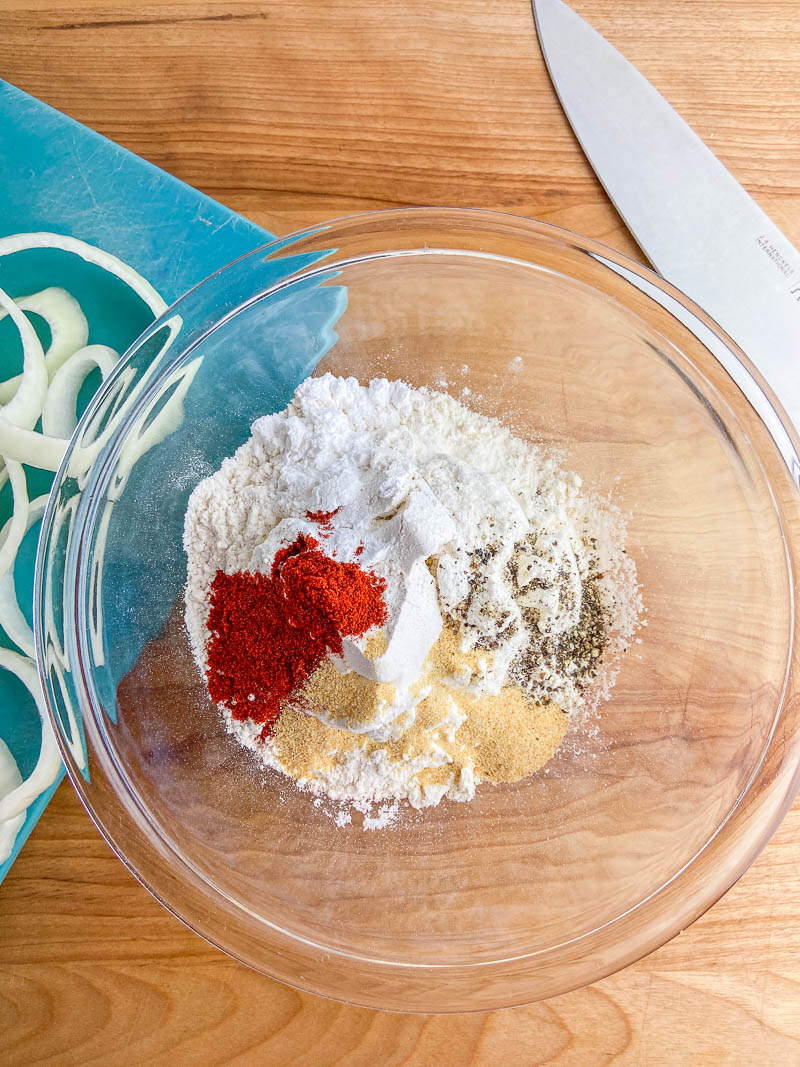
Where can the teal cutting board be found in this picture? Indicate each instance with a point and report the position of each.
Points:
(57, 175)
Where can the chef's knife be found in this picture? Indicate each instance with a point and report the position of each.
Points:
(691, 218)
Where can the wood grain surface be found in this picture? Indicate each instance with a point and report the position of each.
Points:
(291, 113)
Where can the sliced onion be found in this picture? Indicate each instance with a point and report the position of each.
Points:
(84, 454)
(14, 530)
(90, 442)
(11, 618)
(113, 403)
(69, 330)
(49, 386)
(55, 647)
(49, 762)
(10, 778)
(20, 242)
(166, 421)
(59, 414)
(27, 446)
(25, 406)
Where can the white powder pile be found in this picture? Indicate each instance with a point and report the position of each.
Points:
(474, 531)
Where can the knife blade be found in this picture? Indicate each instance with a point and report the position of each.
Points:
(686, 211)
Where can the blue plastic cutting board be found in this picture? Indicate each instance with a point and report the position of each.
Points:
(57, 175)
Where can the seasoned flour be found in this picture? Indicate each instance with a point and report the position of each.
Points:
(506, 587)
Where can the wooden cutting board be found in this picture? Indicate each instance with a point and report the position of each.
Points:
(291, 113)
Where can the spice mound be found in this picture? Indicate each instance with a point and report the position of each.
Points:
(270, 632)
(393, 598)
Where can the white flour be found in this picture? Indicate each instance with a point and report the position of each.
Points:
(411, 477)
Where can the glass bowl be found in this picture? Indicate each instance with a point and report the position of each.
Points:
(650, 811)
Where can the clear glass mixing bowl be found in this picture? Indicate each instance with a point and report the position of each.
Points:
(646, 816)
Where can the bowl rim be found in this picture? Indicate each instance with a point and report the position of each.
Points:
(654, 287)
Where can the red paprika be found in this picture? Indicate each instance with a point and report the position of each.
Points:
(270, 632)
(322, 518)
